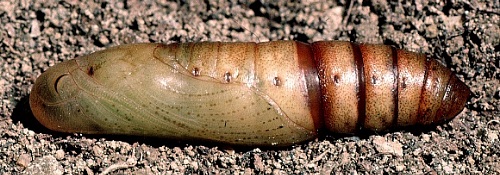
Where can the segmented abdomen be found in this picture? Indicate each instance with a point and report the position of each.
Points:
(378, 87)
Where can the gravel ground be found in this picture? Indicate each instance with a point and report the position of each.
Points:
(465, 35)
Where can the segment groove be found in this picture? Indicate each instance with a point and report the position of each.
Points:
(361, 89)
(395, 87)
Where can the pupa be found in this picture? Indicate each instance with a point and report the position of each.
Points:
(274, 93)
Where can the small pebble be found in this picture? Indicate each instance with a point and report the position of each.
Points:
(24, 160)
(59, 154)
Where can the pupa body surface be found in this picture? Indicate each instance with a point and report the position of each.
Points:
(256, 94)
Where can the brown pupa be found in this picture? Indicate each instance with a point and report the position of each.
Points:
(256, 94)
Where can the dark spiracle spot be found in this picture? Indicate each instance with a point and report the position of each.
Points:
(374, 80)
(196, 72)
(90, 71)
(336, 79)
(403, 84)
(277, 81)
(227, 77)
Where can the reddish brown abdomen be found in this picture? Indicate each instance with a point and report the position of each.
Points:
(378, 87)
